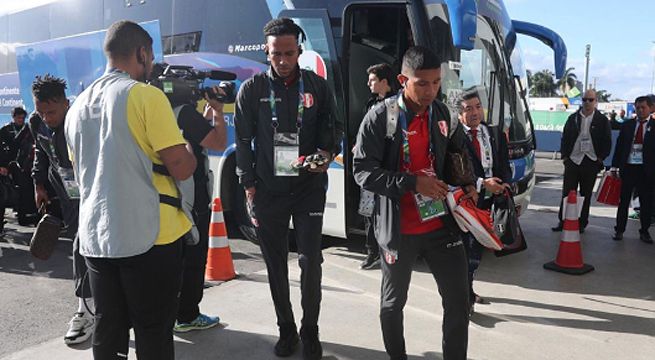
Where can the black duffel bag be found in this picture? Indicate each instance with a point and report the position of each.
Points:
(45, 237)
(506, 224)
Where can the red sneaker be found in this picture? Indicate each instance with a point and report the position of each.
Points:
(475, 220)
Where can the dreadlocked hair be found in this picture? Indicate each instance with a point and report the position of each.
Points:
(284, 26)
(48, 87)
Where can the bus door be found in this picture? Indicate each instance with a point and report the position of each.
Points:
(319, 55)
(373, 33)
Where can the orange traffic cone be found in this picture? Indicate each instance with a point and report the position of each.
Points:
(219, 257)
(569, 256)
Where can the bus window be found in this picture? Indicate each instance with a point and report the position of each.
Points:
(181, 43)
(478, 70)
(521, 128)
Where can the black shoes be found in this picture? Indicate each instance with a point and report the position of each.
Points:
(372, 261)
(560, 227)
(288, 341)
(311, 346)
(475, 299)
(286, 345)
(645, 237)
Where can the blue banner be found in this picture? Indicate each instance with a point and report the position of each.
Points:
(9, 96)
(78, 59)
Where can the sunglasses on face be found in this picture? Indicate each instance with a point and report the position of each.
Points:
(588, 99)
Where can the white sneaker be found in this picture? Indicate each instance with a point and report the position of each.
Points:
(81, 327)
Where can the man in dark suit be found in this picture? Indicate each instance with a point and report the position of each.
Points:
(586, 142)
(634, 157)
(488, 152)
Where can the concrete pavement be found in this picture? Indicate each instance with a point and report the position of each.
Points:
(533, 313)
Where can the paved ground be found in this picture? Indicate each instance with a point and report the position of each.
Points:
(533, 313)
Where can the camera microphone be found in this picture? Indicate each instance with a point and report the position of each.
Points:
(218, 75)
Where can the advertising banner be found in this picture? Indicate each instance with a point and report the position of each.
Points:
(9, 96)
(77, 59)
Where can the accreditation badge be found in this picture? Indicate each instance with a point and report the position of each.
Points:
(70, 184)
(586, 145)
(427, 207)
(286, 150)
(637, 154)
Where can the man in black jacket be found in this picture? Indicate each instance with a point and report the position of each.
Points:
(287, 112)
(634, 157)
(380, 80)
(52, 167)
(9, 133)
(586, 142)
(201, 135)
(404, 167)
(487, 148)
(16, 160)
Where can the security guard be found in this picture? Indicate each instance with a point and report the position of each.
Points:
(288, 112)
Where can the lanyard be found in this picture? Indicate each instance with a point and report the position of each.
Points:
(301, 108)
(51, 144)
(404, 128)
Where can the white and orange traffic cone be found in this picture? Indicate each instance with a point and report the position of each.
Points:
(219, 257)
(569, 255)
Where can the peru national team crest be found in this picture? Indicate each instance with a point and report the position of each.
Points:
(443, 126)
(307, 100)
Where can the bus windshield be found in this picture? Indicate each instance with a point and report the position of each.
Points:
(486, 69)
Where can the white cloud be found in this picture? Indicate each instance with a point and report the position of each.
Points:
(622, 80)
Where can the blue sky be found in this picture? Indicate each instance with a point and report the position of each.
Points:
(621, 35)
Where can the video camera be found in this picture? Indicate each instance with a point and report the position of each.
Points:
(184, 85)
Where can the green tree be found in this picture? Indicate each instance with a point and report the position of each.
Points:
(543, 84)
(603, 96)
(567, 82)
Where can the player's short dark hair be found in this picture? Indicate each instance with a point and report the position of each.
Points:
(283, 26)
(647, 99)
(382, 71)
(18, 111)
(125, 37)
(47, 88)
(467, 94)
(420, 58)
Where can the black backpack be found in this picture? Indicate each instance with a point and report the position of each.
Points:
(506, 224)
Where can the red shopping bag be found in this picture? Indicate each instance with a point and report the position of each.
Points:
(609, 191)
